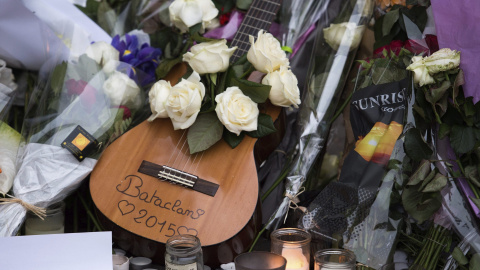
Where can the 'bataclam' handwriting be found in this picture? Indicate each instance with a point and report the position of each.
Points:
(131, 186)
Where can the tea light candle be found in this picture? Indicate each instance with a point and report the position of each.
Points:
(120, 262)
(294, 245)
(295, 259)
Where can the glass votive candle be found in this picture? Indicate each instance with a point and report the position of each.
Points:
(329, 259)
(53, 223)
(294, 245)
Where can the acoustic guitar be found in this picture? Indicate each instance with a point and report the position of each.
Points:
(147, 187)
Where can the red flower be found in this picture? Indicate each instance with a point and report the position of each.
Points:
(126, 112)
(418, 47)
(224, 18)
(394, 46)
(82, 89)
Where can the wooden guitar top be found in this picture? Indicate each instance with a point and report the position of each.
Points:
(156, 209)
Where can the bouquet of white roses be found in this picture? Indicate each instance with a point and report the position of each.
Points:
(76, 110)
(216, 100)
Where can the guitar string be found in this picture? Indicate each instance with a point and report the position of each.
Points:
(243, 26)
(242, 47)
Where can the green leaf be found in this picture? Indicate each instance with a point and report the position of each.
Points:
(420, 174)
(437, 184)
(394, 164)
(244, 4)
(256, 91)
(58, 77)
(415, 147)
(195, 29)
(427, 179)
(462, 139)
(444, 130)
(474, 262)
(165, 66)
(265, 126)
(459, 81)
(434, 94)
(389, 20)
(458, 255)
(471, 173)
(476, 201)
(421, 206)
(468, 107)
(205, 132)
(106, 17)
(85, 70)
(232, 139)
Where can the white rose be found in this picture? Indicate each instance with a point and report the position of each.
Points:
(284, 91)
(184, 102)
(347, 33)
(236, 111)
(158, 96)
(187, 13)
(442, 60)
(209, 57)
(266, 54)
(102, 52)
(421, 75)
(122, 90)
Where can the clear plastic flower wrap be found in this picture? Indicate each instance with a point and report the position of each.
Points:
(350, 210)
(10, 140)
(78, 107)
(338, 35)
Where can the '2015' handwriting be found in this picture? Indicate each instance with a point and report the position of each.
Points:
(151, 221)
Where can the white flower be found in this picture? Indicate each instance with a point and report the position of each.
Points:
(346, 33)
(209, 57)
(187, 13)
(6, 77)
(442, 60)
(284, 91)
(158, 96)
(102, 52)
(421, 75)
(236, 111)
(122, 90)
(184, 102)
(266, 54)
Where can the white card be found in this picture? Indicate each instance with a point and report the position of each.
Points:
(69, 251)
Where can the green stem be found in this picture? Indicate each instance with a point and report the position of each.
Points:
(249, 70)
(276, 183)
(340, 110)
(256, 238)
(89, 213)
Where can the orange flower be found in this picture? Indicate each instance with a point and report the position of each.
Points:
(384, 4)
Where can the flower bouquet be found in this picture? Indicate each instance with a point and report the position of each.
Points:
(77, 109)
(337, 40)
(9, 137)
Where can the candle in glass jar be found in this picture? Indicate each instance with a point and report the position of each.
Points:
(295, 259)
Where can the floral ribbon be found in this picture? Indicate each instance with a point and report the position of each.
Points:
(39, 211)
(293, 199)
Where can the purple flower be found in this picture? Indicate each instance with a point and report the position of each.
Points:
(144, 57)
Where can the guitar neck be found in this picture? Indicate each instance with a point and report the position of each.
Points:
(259, 17)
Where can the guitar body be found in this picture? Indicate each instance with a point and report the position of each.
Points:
(143, 211)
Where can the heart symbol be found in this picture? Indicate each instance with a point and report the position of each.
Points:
(185, 230)
(125, 207)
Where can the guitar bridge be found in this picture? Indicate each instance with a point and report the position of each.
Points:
(178, 177)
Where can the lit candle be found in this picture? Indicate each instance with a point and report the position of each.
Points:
(295, 259)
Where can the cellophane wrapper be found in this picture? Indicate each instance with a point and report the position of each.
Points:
(339, 32)
(79, 103)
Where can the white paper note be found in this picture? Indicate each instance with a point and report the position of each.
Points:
(72, 251)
